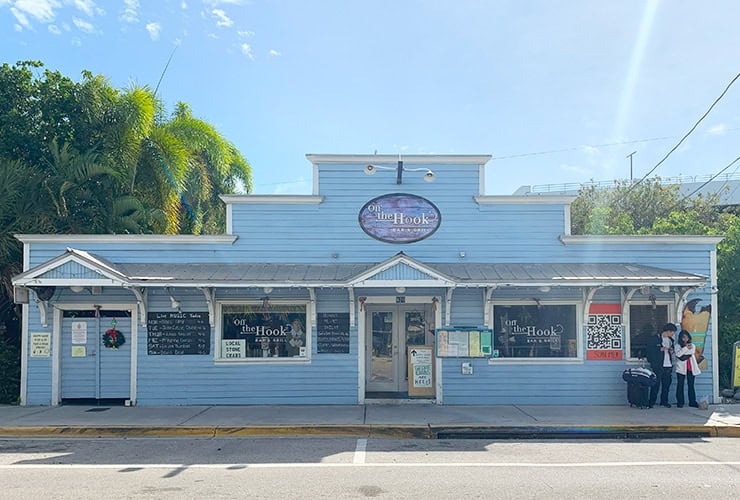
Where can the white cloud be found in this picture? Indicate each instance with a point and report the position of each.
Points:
(214, 3)
(86, 6)
(76, 42)
(245, 33)
(83, 25)
(66, 27)
(18, 27)
(223, 20)
(247, 50)
(42, 10)
(54, 29)
(274, 53)
(131, 13)
(21, 18)
(184, 5)
(719, 129)
(154, 29)
(591, 150)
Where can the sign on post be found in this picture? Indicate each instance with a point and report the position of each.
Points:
(736, 364)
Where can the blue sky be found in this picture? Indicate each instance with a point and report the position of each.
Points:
(284, 78)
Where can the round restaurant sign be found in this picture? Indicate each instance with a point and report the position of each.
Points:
(399, 218)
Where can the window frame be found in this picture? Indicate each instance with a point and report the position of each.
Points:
(627, 319)
(578, 359)
(217, 354)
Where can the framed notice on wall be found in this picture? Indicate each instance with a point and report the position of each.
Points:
(464, 342)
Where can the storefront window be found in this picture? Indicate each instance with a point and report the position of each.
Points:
(259, 331)
(645, 320)
(535, 331)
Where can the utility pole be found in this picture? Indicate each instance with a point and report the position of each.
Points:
(630, 157)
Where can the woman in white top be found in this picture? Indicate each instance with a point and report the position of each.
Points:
(686, 368)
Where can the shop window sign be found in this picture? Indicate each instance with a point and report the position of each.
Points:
(253, 331)
(536, 331)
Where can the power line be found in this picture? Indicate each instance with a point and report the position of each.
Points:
(576, 148)
(708, 181)
(634, 185)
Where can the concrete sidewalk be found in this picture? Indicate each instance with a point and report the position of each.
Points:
(405, 420)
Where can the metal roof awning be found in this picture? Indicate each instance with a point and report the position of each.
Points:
(236, 274)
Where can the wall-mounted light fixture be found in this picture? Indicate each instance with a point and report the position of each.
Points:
(267, 289)
(429, 176)
(545, 289)
(174, 303)
(400, 289)
(77, 288)
(665, 288)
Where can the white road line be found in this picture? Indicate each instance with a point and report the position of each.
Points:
(359, 457)
(236, 467)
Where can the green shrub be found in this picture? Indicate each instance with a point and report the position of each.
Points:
(729, 333)
(10, 372)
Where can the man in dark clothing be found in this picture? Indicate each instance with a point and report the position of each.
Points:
(659, 355)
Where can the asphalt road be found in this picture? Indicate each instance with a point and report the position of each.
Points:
(287, 468)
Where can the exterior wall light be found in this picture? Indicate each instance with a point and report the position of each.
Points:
(429, 176)
(400, 289)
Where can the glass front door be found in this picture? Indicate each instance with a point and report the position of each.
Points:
(390, 329)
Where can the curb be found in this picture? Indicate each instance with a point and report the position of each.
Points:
(379, 430)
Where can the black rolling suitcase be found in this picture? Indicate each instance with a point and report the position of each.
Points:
(639, 381)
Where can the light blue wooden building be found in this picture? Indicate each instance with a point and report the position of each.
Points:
(321, 299)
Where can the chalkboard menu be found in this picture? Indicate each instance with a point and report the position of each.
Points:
(332, 332)
(176, 333)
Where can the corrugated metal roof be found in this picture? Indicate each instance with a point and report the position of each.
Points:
(562, 273)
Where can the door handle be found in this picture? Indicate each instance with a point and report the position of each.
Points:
(93, 352)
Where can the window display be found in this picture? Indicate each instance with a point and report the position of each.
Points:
(535, 331)
(256, 331)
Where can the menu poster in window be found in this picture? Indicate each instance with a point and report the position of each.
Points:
(536, 331)
(332, 333)
(173, 333)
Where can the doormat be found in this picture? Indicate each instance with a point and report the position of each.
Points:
(93, 410)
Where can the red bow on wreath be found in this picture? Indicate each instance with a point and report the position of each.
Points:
(113, 339)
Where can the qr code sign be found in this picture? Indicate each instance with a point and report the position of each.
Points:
(604, 331)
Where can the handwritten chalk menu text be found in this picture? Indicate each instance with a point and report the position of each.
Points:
(332, 332)
(176, 333)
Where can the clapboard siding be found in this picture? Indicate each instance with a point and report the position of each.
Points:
(329, 232)
(198, 379)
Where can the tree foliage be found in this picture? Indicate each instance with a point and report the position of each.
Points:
(655, 208)
(85, 157)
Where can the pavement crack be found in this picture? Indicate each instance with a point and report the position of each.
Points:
(527, 414)
(194, 416)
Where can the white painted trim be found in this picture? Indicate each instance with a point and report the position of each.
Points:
(567, 220)
(581, 239)
(315, 180)
(361, 365)
(229, 219)
(134, 384)
(481, 180)
(132, 308)
(407, 159)
(169, 239)
(439, 279)
(626, 319)
(580, 334)
(715, 326)
(281, 199)
(62, 259)
(24, 354)
(535, 361)
(218, 331)
(362, 338)
(56, 360)
(439, 393)
(404, 283)
(448, 304)
(523, 200)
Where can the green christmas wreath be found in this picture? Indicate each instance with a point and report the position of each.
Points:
(113, 339)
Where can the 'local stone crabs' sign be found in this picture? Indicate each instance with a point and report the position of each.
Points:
(399, 218)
